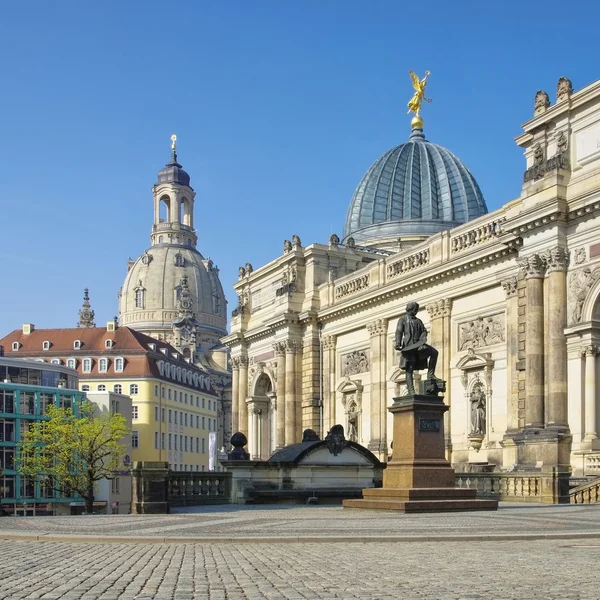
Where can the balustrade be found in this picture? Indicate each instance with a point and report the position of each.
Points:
(194, 488)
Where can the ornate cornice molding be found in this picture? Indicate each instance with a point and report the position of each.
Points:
(510, 286)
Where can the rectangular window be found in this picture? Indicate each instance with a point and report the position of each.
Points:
(197, 402)
(203, 446)
(162, 392)
(203, 403)
(203, 423)
(209, 405)
(135, 411)
(103, 365)
(180, 442)
(135, 440)
(118, 388)
(170, 442)
(27, 403)
(197, 444)
(87, 365)
(115, 406)
(156, 440)
(169, 393)
(102, 388)
(170, 416)
(175, 417)
(156, 391)
(119, 364)
(185, 443)
(156, 413)
(185, 397)
(175, 442)
(162, 441)
(114, 485)
(186, 419)
(45, 401)
(181, 397)
(133, 389)
(197, 422)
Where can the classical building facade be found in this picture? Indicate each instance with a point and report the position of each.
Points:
(172, 293)
(510, 299)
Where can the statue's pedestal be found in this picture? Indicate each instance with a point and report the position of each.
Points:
(418, 478)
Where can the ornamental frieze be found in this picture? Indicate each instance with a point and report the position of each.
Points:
(355, 363)
(481, 332)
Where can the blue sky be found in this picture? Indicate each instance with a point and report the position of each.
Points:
(280, 107)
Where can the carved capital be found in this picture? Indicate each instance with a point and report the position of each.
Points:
(510, 287)
(533, 266)
(279, 348)
(590, 350)
(440, 308)
(291, 347)
(243, 362)
(377, 327)
(235, 363)
(328, 342)
(557, 259)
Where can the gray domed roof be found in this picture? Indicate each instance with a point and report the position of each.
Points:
(173, 172)
(417, 188)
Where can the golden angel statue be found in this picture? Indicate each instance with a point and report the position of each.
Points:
(415, 102)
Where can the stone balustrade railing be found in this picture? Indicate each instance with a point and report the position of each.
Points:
(548, 487)
(586, 493)
(194, 488)
(476, 235)
(348, 288)
(592, 464)
(408, 263)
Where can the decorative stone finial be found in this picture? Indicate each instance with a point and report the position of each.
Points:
(334, 240)
(296, 243)
(86, 314)
(542, 102)
(564, 89)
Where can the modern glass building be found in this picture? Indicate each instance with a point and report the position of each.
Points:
(27, 388)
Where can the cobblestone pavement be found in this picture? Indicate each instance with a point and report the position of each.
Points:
(286, 523)
(546, 569)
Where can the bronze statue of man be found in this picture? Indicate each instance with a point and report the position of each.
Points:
(416, 354)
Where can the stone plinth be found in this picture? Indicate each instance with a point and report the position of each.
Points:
(149, 488)
(418, 478)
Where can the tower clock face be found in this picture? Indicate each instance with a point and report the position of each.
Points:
(85, 314)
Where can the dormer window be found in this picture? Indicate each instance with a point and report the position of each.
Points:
(55, 361)
(164, 351)
(77, 345)
(152, 347)
(16, 346)
(71, 363)
(119, 365)
(86, 365)
(46, 345)
(109, 343)
(140, 293)
(103, 365)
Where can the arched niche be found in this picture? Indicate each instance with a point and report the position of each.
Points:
(351, 391)
(164, 209)
(185, 211)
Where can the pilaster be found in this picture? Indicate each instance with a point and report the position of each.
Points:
(242, 396)
(590, 355)
(329, 367)
(290, 392)
(310, 373)
(510, 287)
(378, 403)
(235, 392)
(279, 348)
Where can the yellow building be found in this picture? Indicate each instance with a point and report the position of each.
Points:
(175, 408)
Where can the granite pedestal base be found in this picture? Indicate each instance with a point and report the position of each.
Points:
(418, 478)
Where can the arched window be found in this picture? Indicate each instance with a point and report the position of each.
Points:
(103, 365)
(119, 364)
(160, 239)
(77, 345)
(55, 361)
(15, 346)
(71, 363)
(46, 346)
(186, 212)
(87, 365)
(139, 298)
(109, 343)
(179, 260)
(164, 209)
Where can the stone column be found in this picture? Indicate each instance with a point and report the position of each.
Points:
(328, 349)
(279, 348)
(512, 348)
(534, 267)
(557, 260)
(290, 392)
(235, 392)
(242, 396)
(590, 353)
(378, 414)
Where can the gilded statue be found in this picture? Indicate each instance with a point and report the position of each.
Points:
(415, 102)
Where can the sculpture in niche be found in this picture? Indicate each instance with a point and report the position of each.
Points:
(580, 284)
(541, 103)
(478, 409)
(415, 353)
(355, 363)
(482, 332)
(352, 419)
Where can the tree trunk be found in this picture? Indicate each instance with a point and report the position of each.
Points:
(89, 497)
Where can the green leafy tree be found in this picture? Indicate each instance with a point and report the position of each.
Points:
(72, 452)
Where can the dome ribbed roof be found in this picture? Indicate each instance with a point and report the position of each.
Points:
(417, 188)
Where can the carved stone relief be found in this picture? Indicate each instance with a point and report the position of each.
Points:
(484, 331)
(579, 255)
(542, 102)
(355, 363)
(580, 283)
(564, 89)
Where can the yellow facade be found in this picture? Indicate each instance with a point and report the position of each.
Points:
(171, 422)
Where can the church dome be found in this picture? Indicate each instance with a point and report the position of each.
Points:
(151, 296)
(415, 189)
